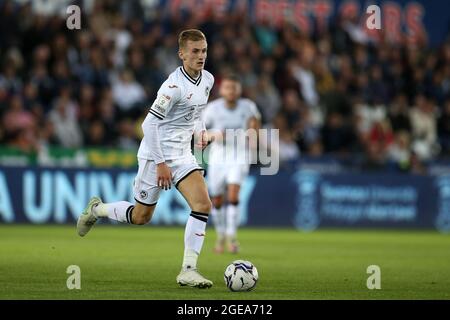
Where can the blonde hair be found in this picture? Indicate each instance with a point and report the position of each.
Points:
(190, 34)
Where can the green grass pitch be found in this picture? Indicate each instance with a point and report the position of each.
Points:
(131, 262)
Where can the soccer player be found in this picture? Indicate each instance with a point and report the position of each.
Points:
(229, 160)
(165, 156)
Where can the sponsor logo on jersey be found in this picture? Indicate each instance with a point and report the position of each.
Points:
(189, 116)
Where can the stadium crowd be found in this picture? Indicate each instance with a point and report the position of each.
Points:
(333, 93)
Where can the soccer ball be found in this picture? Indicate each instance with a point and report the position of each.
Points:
(241, 275)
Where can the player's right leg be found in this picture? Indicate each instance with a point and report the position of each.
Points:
(146, 194)
(218, 216)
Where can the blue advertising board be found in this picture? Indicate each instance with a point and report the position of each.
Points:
(305, 200)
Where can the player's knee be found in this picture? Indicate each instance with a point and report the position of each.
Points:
(204, 206)
(233, 194)
(217, 202)
(141, 217)
(233, 199)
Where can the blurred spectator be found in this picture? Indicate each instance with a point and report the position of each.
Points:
(87, 109)
(44, 83)
(291, 110)
(399, 151)
(127, 137)
(30, 95)
(424, 127)
(379, 92)
(166, 54)
(337, 136)
(369, 115)
(444, 128)
(127, 92)
(267, 98)
(267, 37)
(19, 126)
(338, 100)
(375, 158)
(108, 116)
(246, 73)
(416, 165)
(96, 136)
(287, 149)
(324, 78)
(308, 136)
(64, 120)
(302, 71)
(381, 133)
(399, 114)
(9, 79)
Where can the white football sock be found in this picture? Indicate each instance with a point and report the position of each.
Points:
(120, 211)
(218, 216)
(194, 235)
(232, 220)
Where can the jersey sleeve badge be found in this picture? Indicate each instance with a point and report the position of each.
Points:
(160, 106)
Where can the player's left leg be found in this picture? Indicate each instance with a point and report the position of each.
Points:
(146, 194)
(122, 211)
(232, 220)
(216, 187)
(193, 188)
(236, 174)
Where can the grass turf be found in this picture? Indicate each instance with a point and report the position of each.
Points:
(131, 262)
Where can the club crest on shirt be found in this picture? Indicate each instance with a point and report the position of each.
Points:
(143, 194)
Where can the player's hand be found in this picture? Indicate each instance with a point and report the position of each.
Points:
(164, 176)
(202, 140)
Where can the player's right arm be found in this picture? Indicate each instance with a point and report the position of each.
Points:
(168, 95)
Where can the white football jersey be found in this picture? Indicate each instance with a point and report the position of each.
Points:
(217, 116)
(177, 111)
